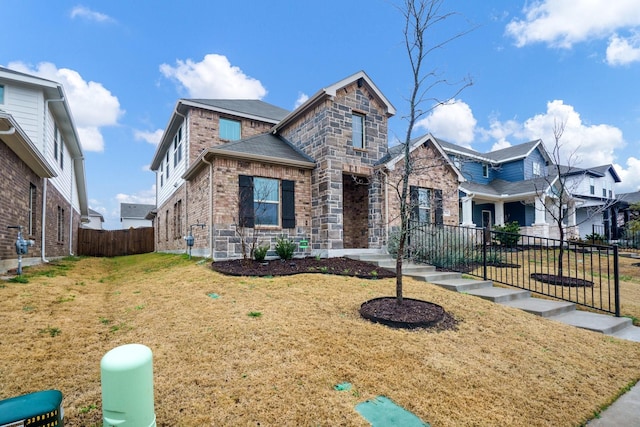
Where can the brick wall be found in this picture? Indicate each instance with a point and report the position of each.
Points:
(53, 247)
(169, 233)
(15, 181)
(430, 171)
(324, 133)
(227, 243)
(204, 130)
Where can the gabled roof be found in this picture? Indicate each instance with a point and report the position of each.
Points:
(395, 153)
(265, 147)
(330, 91)
(596, 171)
(630, 198)
(504, 155)
(135, 210)
(251, 109)
(64, 119)
(96, 214)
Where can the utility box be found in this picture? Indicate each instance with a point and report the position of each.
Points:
(127, 387)
(39, 409)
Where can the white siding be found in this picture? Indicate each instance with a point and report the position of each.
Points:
(26, 106)
(171, 185)
(66, 173)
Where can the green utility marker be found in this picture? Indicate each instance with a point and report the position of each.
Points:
(213, 295)
(382, 412)
(342, 386)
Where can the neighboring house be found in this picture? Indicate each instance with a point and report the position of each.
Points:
(506, 185)
(595, 198)
(133, 215)
(42, 179)
(319, 175)
(625, 213)
(95, 220)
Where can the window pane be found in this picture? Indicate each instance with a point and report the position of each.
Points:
(265, 189)
(1, 94)
(423, 198)
(229, 129)
(357, 126)
(266, 213)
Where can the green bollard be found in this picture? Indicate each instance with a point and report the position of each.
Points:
(127, 387)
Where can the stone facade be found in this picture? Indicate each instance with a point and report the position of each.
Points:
(324, 132)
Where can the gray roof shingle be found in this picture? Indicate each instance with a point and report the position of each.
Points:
(253, 107)
(266, 145)
(134, 210)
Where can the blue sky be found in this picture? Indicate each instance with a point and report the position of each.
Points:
(125, 64)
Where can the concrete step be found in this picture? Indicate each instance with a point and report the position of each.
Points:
(594, 321)
(434, 276)
(370, 257)
(407, 268)
(499, 295)
(541, 307)
(463, 285)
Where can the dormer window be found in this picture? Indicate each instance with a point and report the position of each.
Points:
(485, 170)
(357, 128)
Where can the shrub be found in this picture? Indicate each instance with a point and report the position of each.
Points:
(260, 253)
(508, 234)
(595, 238)
(285, 247)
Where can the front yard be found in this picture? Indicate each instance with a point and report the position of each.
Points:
(269, 351)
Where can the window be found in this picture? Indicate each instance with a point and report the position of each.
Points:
(61, 155)
(177, 219)
(33, 204)
(357, 128)
(1, 94)
(61, 223)
(537, 170)
(485, 170)
(456, 161)
(266, 202)
(167, 168)
(177, 147)
(604, 192)
(426, 205)
(161, 174)
(229, 129)
(592, 186)
(166, 226)
(611, 194)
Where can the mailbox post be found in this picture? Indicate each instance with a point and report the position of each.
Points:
(22, 246)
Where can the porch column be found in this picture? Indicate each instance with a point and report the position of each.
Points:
(499, 212)
(540, 218)
(467, 212)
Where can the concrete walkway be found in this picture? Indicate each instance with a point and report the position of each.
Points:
(623, 412)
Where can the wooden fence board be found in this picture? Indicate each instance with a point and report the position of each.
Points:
(110, 243)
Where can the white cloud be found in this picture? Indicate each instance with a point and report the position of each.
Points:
(302, 98)
(88, 14)
(499, 145)
(453, 122)
(146, 197)
(630, 176)
(152, 138)
(92, 105)
(213, 77)
(562, 23)
(623, 51)
(581, 144)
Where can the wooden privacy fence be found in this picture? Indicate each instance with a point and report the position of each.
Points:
(109, 243)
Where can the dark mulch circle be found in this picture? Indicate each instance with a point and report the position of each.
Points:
(637, 264)
(553, 279)
(339, 266)
(411, 314)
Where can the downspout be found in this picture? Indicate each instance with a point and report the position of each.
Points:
(210, 206)
(186, 195)
(71, 212)
(46, 180)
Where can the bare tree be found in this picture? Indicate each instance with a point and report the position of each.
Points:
(421, 21)
(562, 190)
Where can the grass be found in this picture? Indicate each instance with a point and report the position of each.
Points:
(215, 365)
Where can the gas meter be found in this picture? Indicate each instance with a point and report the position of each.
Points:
(22, 246)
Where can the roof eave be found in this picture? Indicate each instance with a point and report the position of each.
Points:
(18, 141)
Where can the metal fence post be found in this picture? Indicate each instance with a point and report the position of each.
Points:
(616, 280)
(484, 255)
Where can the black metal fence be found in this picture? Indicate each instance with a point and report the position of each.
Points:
(582, 273)
(626, 239)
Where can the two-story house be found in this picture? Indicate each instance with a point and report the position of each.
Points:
(43, 178)
(595, 198)
(506, 185)
(134, 215)
(321, 175)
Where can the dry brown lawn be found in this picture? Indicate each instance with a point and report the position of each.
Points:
(215, 364)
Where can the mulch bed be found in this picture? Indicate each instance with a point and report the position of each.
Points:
(411, 314)
(338, 266)
(553, 279)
